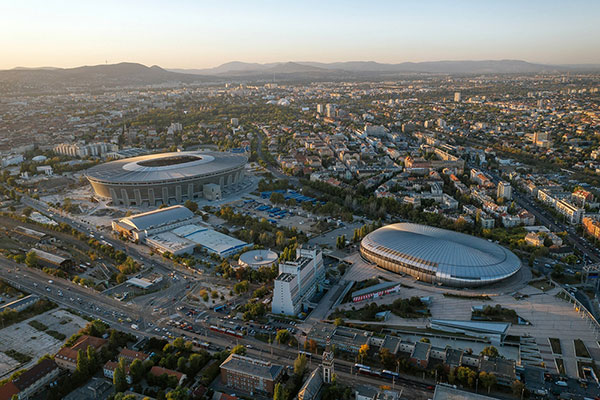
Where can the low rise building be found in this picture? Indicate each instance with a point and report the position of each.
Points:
(51, 260)
(20, 304)
(250, 375)
(311, 389)
(420, 354)
(109, 371)
(503, 369)
(159, 371)
(140, 226)
(67, 356)
(131, 355)
(31, 381)
(342, 337)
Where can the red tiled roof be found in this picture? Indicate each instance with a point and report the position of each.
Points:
(67, 353)
(158, 371)
(35, 373)
(112, 365)
(136, 355)
(8, 390)
(85, 341)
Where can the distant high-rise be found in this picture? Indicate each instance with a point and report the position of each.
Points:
(330, 110)
(541, 139)
(320, 109)
(457, 97)
(504, 190)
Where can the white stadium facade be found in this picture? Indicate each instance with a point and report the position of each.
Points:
(167, 178)
(439, 256)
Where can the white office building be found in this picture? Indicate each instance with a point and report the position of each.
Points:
(298, 280)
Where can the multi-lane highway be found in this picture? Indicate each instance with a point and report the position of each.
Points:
(123, 315)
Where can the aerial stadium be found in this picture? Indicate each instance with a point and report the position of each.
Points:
(167, 178)
(439, 256)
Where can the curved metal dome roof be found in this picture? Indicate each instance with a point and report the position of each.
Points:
(165, 167)
(449, 254)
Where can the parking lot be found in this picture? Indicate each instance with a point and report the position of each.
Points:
(28, 340)
(281, 215)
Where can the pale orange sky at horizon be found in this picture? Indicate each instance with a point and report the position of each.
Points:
(201, 34)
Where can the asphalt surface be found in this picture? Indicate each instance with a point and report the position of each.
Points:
(138, 318)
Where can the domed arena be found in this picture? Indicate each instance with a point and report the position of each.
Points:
(439, 256)
(166, 178)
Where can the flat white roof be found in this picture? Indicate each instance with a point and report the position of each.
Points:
(212, 240)
(169, 242)
(144, 284)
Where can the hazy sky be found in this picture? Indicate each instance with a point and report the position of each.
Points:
(199, 33)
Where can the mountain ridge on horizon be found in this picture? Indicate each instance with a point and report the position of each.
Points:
(128, 74)
(442, 66)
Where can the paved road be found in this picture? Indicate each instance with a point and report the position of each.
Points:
(85, 301)
(276, 172)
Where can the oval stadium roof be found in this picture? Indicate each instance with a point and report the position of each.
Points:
(449, 255)
(165, 167)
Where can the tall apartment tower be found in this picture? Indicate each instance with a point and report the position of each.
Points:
(320, 109)
(504, 190)
(327, 363)
(330, 110)
(457, 97)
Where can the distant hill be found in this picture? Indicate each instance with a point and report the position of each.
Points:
(39, 80)
(375, 69)
(109, 75)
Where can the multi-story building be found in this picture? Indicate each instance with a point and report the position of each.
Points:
(85, 150)
(67, 356)
(13, 159)
(109, 371)
(573, 213)
(298, 280)
(31, 381)
(486, 221)
(250, 375)
(592, 226)
(457, 97)
(130, 355)
(510, 221)
(504, 190)
(330, 110)
(582, 197)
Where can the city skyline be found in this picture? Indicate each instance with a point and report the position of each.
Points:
(199, 35)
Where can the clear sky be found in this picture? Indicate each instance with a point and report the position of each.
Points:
(207, 33)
